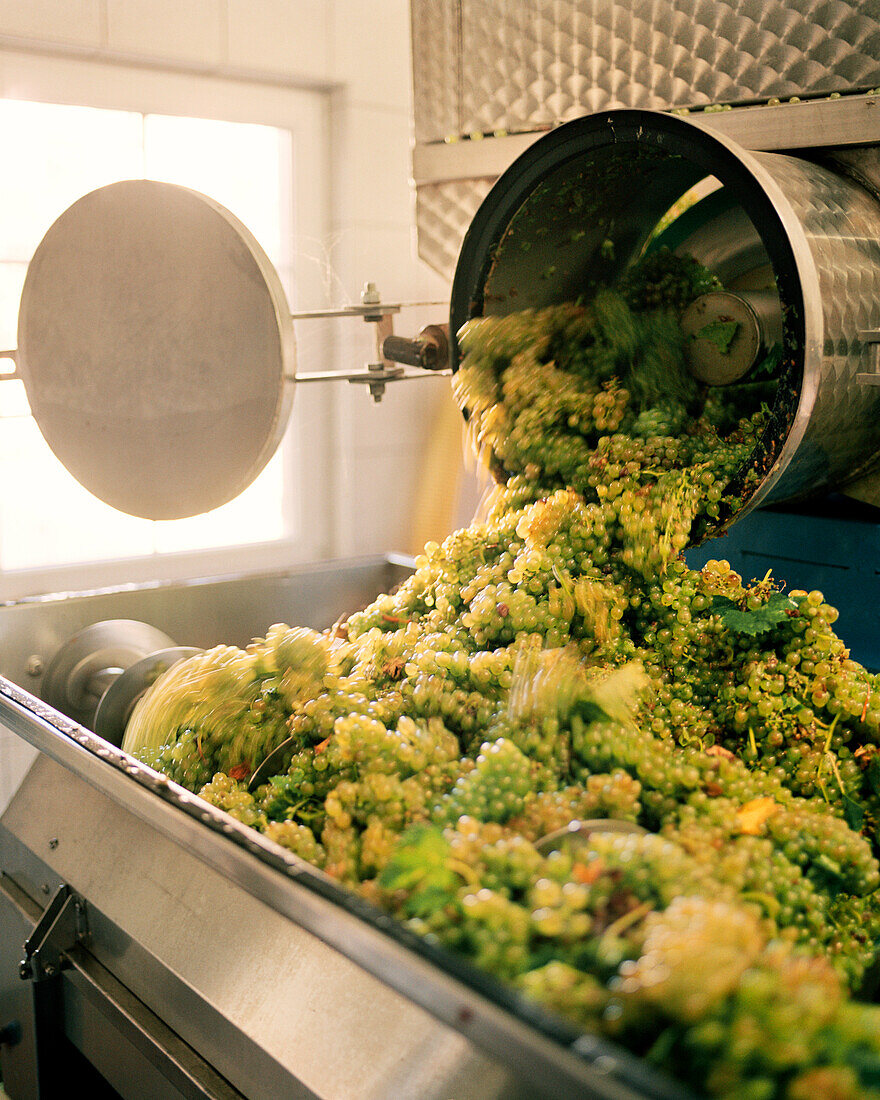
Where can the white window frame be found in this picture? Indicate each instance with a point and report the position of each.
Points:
(308, 454)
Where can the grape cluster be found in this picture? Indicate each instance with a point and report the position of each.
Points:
(613, 795)
(495, 790)
(557, 661)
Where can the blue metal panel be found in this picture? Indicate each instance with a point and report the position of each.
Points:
(835, 550)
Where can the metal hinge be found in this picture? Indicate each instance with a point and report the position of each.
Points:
(62, 926)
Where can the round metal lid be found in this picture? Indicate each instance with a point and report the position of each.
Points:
(156, 347)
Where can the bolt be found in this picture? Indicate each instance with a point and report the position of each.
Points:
(605, 1064)
(45, 888)
(370, 295)
(53, 843)
(34, 666)
(25, 970)
(377, 389)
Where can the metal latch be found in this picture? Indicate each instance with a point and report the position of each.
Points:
(63, 925)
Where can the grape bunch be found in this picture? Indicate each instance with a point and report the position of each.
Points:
(555, 662)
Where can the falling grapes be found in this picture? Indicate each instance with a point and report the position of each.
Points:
(558, 661)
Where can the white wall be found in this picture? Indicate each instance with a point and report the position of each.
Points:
(388, 469)
(385, 473)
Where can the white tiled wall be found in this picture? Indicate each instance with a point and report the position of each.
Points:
(179, 29)
(285, 36)
(80, 22)
(383, 475)
(371, 44)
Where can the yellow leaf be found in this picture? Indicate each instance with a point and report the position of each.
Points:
(753, 815)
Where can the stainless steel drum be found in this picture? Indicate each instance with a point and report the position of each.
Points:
(583, 202)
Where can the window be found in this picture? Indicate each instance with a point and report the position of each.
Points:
(50, 527)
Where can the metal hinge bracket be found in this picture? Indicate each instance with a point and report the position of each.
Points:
(63, 925)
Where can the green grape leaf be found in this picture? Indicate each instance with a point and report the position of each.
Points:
(769, 365)
(419, 865)
(721, 603)
(830, 866)
(776, 610)
(719, 333)
(283, 793)
(284, 801)
(591, 712)
(853, 813)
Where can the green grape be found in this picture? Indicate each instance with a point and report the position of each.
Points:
(233, 797)
(496, 788)
(614, 795)
(298, 839)
(568, 991)
(720, 941)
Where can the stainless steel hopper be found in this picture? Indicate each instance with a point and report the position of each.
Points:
(582, 202)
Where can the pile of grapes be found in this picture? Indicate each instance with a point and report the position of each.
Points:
(555, 661)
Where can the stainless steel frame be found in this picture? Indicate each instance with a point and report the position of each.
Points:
(824, 124)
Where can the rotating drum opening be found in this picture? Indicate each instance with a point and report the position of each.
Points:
(589, 198)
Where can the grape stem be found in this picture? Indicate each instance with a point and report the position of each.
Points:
(464, 870)
(628, 919)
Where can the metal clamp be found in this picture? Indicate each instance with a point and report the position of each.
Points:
(430, 351)
(63, 925)
(871, 339)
